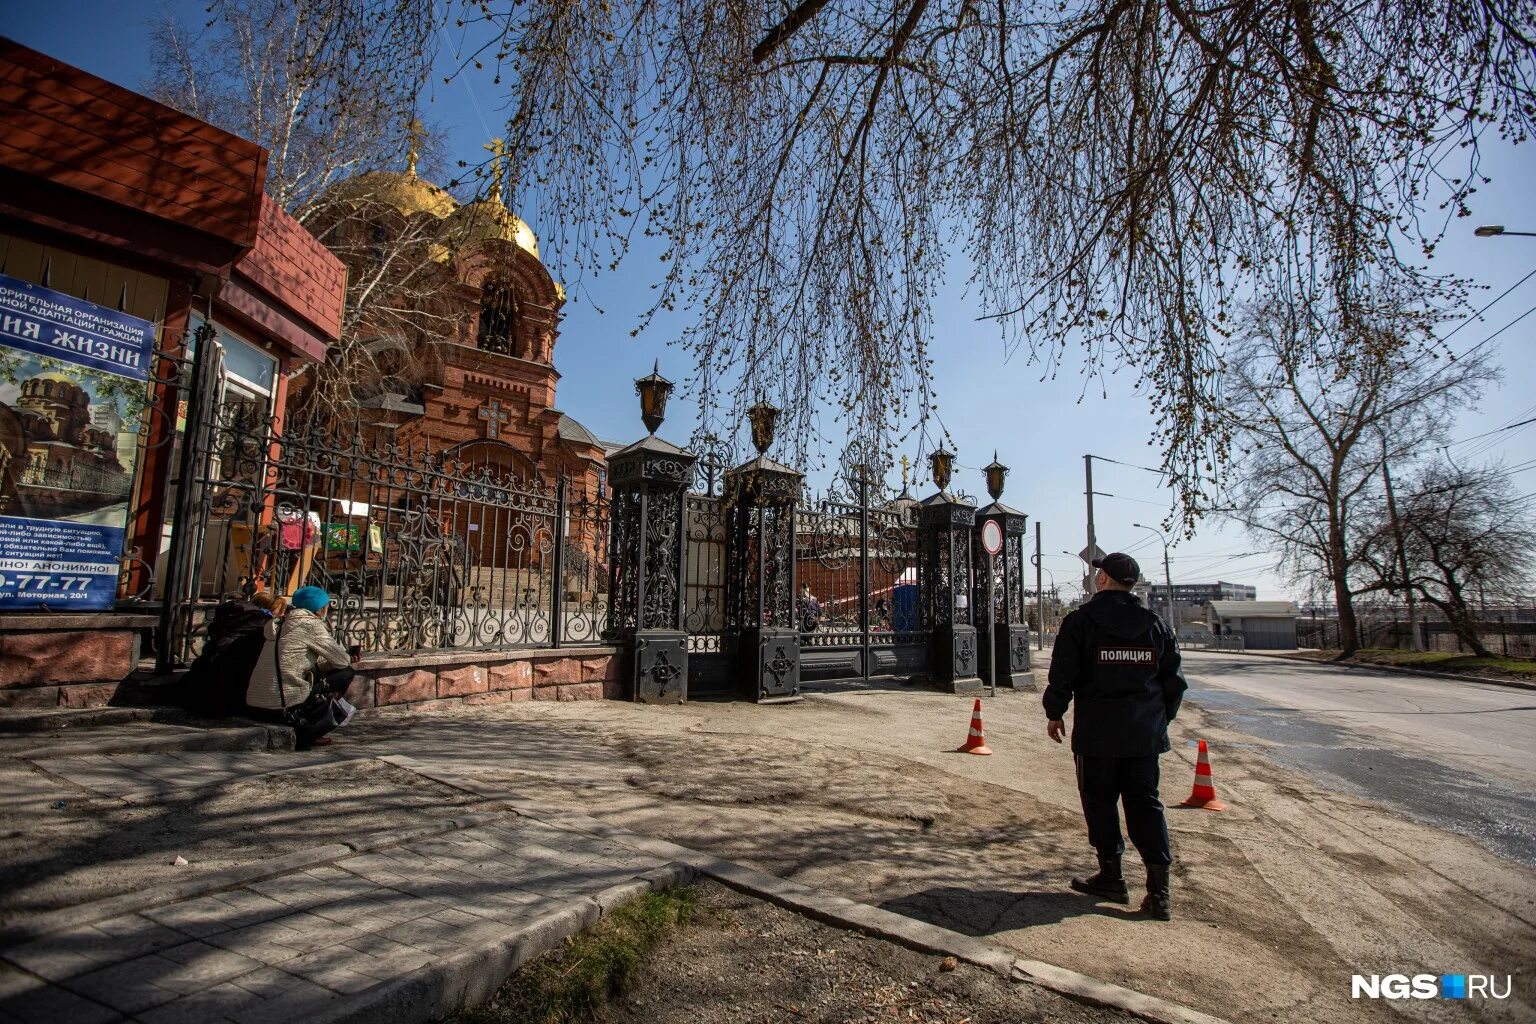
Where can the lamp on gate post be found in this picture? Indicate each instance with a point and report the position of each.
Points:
(653, 391)
(1005, 628)
(944, 573)
(760, 497)
(647, 552)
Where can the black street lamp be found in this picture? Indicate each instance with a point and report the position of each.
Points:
(760, 497)
(944, 524)
(1005, 627)
(653, 391)
(647, 553)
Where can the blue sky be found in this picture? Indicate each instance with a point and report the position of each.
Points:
(1040, 427)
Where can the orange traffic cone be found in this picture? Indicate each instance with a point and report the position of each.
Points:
(1204, 793)
(975, 742)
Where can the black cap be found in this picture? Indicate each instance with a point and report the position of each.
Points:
(1120, 567)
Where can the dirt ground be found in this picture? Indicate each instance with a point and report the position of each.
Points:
(94, 847)
(1277, 901)
(743, 961)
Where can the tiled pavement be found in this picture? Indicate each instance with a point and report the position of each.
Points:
(299, 944)
(144, 778)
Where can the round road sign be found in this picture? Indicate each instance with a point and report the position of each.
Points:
(992, 537)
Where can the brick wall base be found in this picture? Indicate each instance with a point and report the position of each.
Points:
(446, 679)
(66, 661)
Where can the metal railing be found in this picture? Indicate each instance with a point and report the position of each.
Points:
(419, 551)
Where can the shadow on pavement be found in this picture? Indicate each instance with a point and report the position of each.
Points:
(982, 912)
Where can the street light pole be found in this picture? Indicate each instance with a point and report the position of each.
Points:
(1092, 540)
(1039, 595)
(1498, 230)
(1167, 573)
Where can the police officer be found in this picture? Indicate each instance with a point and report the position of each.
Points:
(1119, 661)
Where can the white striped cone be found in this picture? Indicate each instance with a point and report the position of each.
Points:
(975, 742)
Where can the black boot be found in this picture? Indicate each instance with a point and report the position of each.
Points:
(1157, 904)
(1108, 884)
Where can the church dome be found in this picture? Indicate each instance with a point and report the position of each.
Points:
(489, 218)
(402, 190)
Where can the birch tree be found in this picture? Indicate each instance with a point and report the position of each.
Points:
(1316, 407)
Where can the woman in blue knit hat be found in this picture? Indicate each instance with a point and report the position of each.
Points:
(300, 659)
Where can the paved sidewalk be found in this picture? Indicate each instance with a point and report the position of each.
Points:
(317, 943)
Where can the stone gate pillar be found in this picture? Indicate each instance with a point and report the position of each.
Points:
(760, 498)
(647, 551)
(1005, 628)
(944, 540)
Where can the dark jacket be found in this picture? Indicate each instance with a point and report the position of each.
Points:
(215, 683)
(1120, 662)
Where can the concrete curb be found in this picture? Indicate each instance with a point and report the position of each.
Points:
(47, 923)
(255, 737)
(77, 718)
(474, 976)
(1513, 684)
(840, 911)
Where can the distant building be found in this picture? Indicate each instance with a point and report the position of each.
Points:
(1190, 599)
(1201, 593)
(1263, 625)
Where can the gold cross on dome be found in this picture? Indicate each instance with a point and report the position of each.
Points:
(415, 132)
(498, 149)
(906, 464)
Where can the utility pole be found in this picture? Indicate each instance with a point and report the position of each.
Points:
(1168, 580)
(1093, 545)
(1039, 594)
(1402, 553)
(1167, 572)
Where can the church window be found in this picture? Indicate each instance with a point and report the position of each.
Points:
(498, 319)
(378, 241)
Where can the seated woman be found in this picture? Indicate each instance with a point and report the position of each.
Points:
(300, 660)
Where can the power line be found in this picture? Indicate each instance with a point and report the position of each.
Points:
(1495, 430)
(1498, 332)
(1485, 309)
(1121, 497)
(1130, 465)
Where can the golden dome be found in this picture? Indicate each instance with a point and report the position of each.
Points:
(488, 218)
(401, 189)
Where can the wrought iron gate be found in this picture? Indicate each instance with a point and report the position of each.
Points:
(710, 650)
(856, 570)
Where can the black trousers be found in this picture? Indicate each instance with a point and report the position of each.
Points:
(1104, 782)
(332, 684)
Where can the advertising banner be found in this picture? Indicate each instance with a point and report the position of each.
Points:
(73, 383)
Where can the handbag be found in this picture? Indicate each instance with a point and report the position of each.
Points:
(316, 716)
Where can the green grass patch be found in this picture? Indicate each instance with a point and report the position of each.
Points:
(567, 985)
(1432, 661)
(1441, 661)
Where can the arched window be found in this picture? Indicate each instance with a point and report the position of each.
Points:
(378, 241)
(498, 319)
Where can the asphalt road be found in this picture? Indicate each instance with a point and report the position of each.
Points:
(1459, 755)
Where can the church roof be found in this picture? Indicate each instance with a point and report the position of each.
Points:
(488, 219)
(572, 430)
(401, 189)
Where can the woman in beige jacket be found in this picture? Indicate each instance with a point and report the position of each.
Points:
(300, 657)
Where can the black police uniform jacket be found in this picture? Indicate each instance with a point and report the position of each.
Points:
(1118, 660)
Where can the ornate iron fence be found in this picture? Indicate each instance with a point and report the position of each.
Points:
(856, 566)
(420, 551)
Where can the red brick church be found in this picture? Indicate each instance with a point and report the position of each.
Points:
(478, 385)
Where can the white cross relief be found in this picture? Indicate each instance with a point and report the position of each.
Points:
(494, 416)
